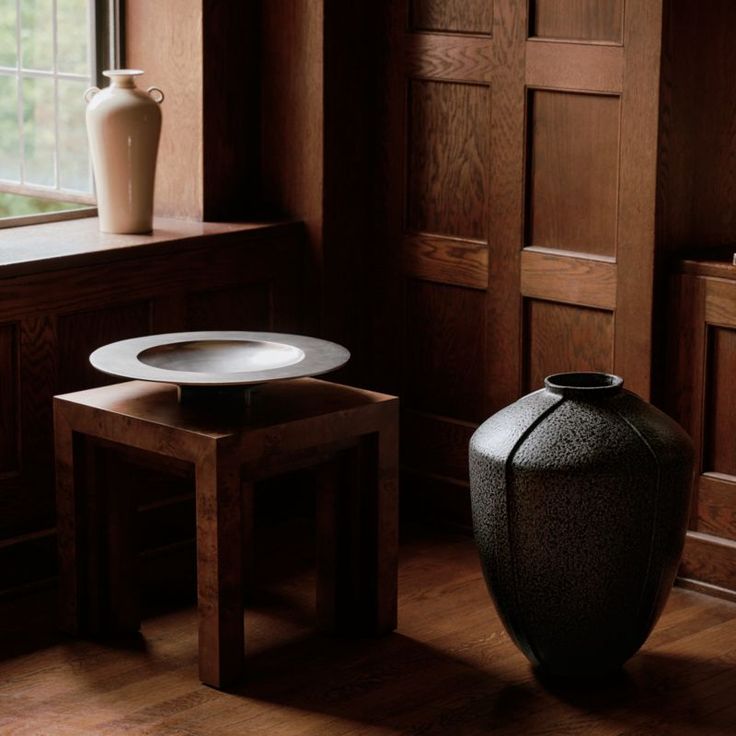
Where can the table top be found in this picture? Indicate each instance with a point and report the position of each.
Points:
(276, 403)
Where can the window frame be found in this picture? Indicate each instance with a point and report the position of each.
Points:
(108, 43)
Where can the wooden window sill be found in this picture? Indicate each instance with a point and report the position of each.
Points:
(56, 245)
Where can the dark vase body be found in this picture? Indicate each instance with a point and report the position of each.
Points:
(580, 495)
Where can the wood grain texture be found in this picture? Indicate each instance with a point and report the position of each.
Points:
(230, 96)
(507, 195)
(290, 418)
(430, 56)
(573, 172)
(637, 196)
(562, 278)
(561, 338)
(293, 119)
(238, 308)
(165, 39)
(711, 560)
(716, 505)
(719, 303)
(448, 155)
(446, 260)
(436, 445)
(452, 668)
(589, 20)
(444, 363)
(10, 428)
(464, 16)
(719, 448)
(580, 67)
(696, 171)
(686, 356)
(81, 333)
(74, 303)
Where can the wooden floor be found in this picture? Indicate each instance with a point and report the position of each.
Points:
(449, 669)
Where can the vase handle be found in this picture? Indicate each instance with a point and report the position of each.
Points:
(156, 94)
(90, 93)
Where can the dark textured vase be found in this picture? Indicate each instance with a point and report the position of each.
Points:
(580, 496)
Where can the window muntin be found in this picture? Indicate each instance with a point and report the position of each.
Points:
(50, 52)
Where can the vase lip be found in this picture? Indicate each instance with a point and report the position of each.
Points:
(583, 383)
(113, 73)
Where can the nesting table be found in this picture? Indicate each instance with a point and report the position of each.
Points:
(349, 434)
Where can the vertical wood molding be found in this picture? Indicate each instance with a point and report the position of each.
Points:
(164, 38)
(637, 195)
(292, 154)
(506, 201)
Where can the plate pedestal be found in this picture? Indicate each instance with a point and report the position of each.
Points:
(221, 396)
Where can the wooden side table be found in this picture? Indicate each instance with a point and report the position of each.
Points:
(351, 434)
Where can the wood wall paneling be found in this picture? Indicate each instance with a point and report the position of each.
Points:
(51, 320)
(559, 338)
(80, 333)
(640, 114)
(573, 171)
(446, 260)
(507, 195)
(436, 445)
(165, 40)
(574, 66)
(459, 16)
(716, 506)
(241, 308)
(719, 445)
(459, 58)
(448, 157)
(563, 278)
(711, 560)
(588, 20)
(444, 356)
(697, 138)
(10, 432)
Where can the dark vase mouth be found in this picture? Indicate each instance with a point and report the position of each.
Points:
(583, 384)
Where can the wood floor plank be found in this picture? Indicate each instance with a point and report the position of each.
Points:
(449, 669)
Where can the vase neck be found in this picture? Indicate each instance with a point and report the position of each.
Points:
(583, 385)
(122, 78)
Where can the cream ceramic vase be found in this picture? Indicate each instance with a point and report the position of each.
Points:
(123, 128)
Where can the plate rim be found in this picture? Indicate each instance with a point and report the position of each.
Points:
(120, 358)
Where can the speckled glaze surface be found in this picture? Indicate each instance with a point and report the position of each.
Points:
(580, 495)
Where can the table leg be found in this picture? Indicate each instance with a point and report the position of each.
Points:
(97, 550)
(70, 521)
(247, 531)
(357, 538)
(219, 570)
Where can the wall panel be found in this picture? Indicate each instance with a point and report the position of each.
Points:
(244, 308)
(587, 20)
(719, 447)
(9, 427)
(80, 333)
(448, 157)
(463, 16)
(444, 342)
(565, 338)
(573, 171)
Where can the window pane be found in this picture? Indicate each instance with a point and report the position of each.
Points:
(38, 131)
(8, 50)
(9, 137)
(37, 34)
(73, 157)
(72, 33)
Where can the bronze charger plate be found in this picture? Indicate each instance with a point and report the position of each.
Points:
(208, 361)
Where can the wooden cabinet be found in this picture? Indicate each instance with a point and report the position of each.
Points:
(701, 373)
(544, 160)
(65, 289)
